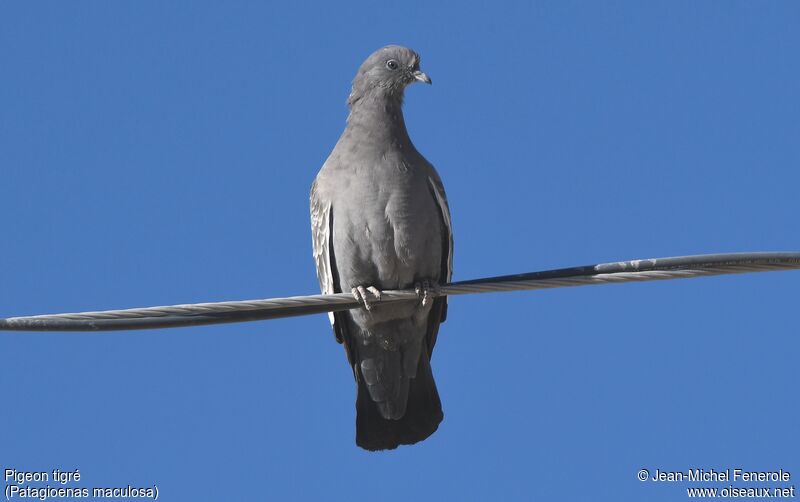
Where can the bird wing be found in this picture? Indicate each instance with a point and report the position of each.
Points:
(321, 237)
(322, 240)
(439, 309)
(447, 226)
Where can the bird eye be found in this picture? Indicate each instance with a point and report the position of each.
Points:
(392, 64)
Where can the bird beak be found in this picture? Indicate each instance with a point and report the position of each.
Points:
(420, 76)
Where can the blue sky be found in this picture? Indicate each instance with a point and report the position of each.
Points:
(157, 153)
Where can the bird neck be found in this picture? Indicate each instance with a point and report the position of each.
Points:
(380, 117)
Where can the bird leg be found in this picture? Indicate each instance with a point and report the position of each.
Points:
(360, 294)
(427, 291)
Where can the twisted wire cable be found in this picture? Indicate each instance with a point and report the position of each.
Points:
(654, 269)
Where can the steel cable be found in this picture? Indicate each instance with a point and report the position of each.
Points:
(655, 269)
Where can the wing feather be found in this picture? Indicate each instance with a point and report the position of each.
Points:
(441, 199)
(321, 239)
(439, 310)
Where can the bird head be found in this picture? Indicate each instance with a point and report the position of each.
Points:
(386, 73)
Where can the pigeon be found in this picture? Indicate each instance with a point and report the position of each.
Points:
(380, 221)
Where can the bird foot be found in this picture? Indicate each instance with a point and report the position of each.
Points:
(360, 294)
(427, 291)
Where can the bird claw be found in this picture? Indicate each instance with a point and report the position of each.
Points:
(427, 291)
(360, 294)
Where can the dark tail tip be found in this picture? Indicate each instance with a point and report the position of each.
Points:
(422, 418)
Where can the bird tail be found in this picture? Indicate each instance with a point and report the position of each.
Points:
(421, 419)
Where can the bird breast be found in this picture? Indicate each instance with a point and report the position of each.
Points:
(386, 226)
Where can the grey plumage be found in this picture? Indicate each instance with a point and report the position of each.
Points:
(380, 220)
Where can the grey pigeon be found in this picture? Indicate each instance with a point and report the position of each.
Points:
(380, 221)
